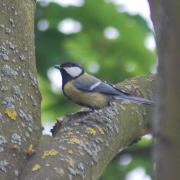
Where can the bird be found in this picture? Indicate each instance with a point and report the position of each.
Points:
(87, 90)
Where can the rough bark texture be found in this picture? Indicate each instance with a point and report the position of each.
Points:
(19, 95)
(165, 16)
(87, 141)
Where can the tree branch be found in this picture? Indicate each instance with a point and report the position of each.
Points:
(87, 141)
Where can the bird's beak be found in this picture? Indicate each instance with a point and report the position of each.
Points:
(57, 66)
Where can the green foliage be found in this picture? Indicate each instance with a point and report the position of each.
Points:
(115, 59)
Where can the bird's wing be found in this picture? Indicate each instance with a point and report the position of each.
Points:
(95, 85)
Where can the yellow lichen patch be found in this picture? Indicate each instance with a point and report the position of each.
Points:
(91, 131)
(51, 152)
(69, 133)
(11, 113)
(74, 140)
(30, 150)
(101, 130)
(70, 151)
(85, 137)
(36, 167)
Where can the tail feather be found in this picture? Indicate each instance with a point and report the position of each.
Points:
(134, 99)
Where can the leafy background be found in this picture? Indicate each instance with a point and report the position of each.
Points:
(107, 42)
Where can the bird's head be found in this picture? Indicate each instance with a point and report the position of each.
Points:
(70, 69)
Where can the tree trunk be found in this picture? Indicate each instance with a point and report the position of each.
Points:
(19, 96)
(165, 16)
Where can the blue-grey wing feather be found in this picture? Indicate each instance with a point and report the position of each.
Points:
(106, 89)
(95, 85)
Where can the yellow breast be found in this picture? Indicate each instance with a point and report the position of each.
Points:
(89, 99)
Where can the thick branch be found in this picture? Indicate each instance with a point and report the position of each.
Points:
(87, 141)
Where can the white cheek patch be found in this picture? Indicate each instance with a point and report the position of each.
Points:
(73, 71)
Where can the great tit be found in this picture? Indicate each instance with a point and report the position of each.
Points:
(87, 90)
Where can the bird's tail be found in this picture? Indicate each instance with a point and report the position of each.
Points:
(134, 99)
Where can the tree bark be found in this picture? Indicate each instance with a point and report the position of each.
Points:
(165, 15)
(87, 141)
(19, 95)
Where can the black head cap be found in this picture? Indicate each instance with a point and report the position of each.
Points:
(66, 65)
(69, 71)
